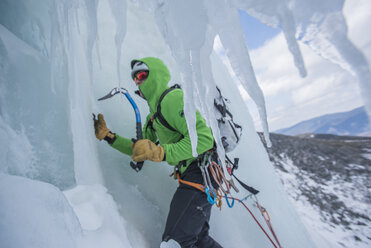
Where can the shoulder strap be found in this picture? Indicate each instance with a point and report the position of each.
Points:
(222, 107)
(158, 114)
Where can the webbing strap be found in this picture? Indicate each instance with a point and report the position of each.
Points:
(192, 184)
(248, 188)
(158, 114)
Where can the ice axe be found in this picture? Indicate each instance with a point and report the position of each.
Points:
(138, 166)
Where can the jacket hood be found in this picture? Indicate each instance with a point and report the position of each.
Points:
(156, 83)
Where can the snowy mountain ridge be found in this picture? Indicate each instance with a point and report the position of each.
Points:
(328, 180)
(353, 123)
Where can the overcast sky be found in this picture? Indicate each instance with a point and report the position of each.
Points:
(327, 88)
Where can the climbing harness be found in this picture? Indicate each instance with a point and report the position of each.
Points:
(206, 164)
(203, 163)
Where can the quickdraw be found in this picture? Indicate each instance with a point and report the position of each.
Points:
(267, 219)
(261, 227)
(204, 164)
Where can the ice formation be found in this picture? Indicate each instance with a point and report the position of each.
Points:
(59, 57)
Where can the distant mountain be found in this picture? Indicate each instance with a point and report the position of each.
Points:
(327, 177)
(353, 123)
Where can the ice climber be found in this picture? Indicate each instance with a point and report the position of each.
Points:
(187, 223)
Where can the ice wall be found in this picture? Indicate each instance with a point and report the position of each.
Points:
(35, 137)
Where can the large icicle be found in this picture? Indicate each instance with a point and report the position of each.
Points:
(92, 32)
(274, 13)
(76, 63)
(208, 87)
(225, 21)
(185, 35)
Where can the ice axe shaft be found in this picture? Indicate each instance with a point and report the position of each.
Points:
(138, 166)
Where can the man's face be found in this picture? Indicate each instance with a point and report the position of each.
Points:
(140, 77)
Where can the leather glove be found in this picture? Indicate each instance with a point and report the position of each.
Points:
(101, 130)
(145, 149)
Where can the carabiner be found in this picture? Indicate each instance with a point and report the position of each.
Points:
(226, 199)
(209, 198)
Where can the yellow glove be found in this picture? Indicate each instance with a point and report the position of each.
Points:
(145, 149)
(101, 130)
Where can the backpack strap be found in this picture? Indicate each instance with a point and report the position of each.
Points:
(158, 114)
(222, 107)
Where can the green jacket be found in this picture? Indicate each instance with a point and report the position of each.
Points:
(177, 145)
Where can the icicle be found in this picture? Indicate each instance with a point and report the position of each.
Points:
(75, 62)
(185, 35)
(92, 35)
(323, 28)
(118, 8)
(232, 39)
(278, 13)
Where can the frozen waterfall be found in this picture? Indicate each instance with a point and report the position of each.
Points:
(63, 188)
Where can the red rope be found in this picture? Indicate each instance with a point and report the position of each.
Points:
(255, 220)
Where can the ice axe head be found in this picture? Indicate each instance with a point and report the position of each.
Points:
(113, 92)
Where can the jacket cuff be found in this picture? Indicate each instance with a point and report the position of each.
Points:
(164, 156)
(110, 138)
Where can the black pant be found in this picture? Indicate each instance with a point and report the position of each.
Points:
(189, 215)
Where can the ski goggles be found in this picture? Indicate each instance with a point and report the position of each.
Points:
(141, 75)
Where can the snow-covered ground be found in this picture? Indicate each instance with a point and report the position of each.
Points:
(318, 221)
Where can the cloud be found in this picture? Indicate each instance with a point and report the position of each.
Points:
(358, 20)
